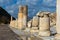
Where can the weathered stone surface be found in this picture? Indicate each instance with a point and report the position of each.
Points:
(34, 28)
(35, 21)
(29, 24)
(44, 25)
(42, 13)
(53, 19)
(25, 16)
(20, 20)
(44, 33)
(57, 36)
(22, 17)
(34, 31)
(12, 23)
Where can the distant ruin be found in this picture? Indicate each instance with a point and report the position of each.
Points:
(40, 24)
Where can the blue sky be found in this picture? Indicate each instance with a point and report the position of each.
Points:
(34, 6)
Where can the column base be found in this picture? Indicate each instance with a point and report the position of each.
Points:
(57, 36)
(44, 33)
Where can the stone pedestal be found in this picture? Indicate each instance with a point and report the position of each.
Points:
(44, 25)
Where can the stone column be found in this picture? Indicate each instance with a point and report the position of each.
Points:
(25, 15)
(20, 18)
(57, 36)
(44, 25)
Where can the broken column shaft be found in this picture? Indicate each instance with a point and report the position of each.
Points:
(22, 17)
(44, 25)
(25, 15)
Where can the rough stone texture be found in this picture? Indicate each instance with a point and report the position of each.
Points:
(20, 20)
(34, 31)
(25, 15)
(44, 33)
(12, 23)
(22, 17)
(7, 34)
(34, 28)
(44, 26)
(41, 13)
(44, 23)
(52, 19)
(29, 24)
(35, 21)
(57, 36)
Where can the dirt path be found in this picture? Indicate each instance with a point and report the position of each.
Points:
(7, 34)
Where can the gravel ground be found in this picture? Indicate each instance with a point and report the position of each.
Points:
(7, 34)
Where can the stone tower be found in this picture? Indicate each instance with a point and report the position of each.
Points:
(22, 17)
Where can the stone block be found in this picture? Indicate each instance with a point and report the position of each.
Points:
(35, 21)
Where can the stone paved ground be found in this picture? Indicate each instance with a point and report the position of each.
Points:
(7, 34)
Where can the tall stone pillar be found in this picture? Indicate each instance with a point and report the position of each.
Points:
(57, 36)
(25, 15)
(22, 17)
(44, 25)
